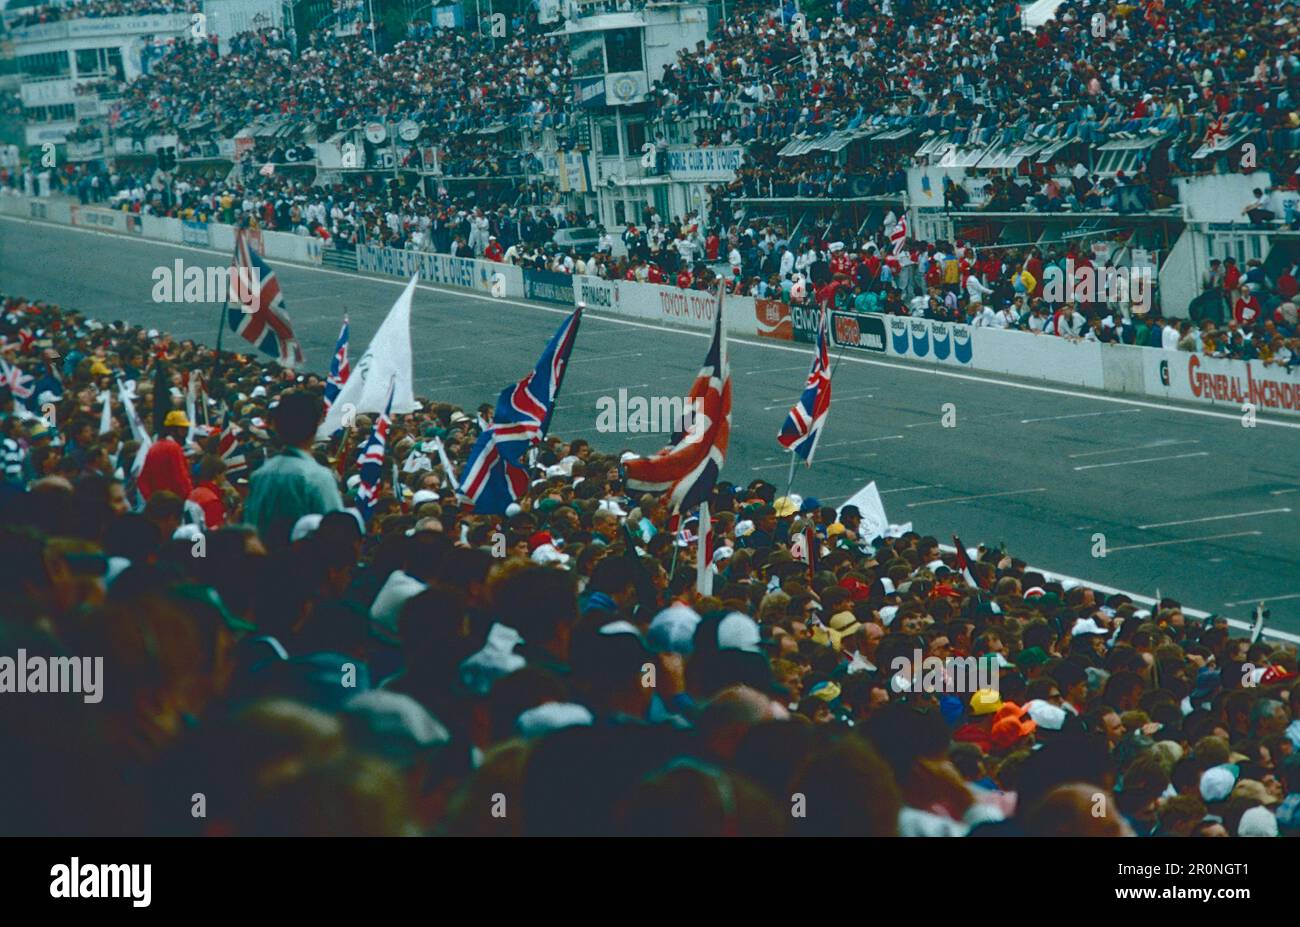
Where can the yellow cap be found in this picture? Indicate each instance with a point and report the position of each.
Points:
(985, 702)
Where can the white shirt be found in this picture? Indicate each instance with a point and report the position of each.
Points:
(975, 289)
(1169, 338)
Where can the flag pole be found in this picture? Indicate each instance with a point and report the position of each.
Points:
(703, 575)
(225, 305)
(559, 382)
(789, 483)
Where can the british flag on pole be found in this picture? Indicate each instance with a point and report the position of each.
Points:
(803, 426)
(524, 410)
(339, 369)
(686, 471)
(494, 476)
(261, 318)
(371, 459)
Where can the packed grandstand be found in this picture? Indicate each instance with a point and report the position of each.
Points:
(320, 651)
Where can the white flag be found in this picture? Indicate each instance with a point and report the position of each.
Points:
(875, 524)
(386, 359)
(106, 413)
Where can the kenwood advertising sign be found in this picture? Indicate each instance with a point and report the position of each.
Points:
(804, 321)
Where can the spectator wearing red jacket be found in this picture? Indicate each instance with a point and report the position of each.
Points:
(1231, 275)
(493, 252)
(683, 279)
(208, 494)
(1246, 309)
(165, 466)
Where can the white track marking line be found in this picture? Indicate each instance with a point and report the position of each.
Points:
(604, 389)
(1281, 492)
(885, 492)
(1208, 537)
(612, 356)
(1267, 598)
(987, 495)
(926, 369)
(862, 440)
(969, 418)
(1057, 418)
(1124, 463)
(1191, 521)
(1139, 447)
(786, 463)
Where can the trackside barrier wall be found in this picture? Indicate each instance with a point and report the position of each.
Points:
(1040, 357)
(1121, 368)
(442, 269)
(161, 228)
(663, 304)
(1127, 369)
(1218, 381)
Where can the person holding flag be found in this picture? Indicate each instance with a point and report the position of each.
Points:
(494, 475)
(803, 426)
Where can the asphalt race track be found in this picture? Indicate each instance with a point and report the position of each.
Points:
(1190, 502)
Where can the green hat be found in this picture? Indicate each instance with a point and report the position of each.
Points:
(1031, 657)
(548, 503)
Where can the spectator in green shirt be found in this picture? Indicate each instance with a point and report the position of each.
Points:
(866, 301)
(291, 484)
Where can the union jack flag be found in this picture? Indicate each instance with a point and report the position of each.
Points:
(489, 483)
(20, 382)
(963, 563)
(898, 237)
(1216, 132)
(339, 369)
(524, 410)
(261, 319)
(371, 459)
(494, 475)
(803, 426)
(231, 449)
(686, 471)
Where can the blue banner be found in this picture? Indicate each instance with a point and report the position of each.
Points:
(548, 286)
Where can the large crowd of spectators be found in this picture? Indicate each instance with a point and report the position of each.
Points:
(95, 9)
(275, 664)
(1173, 69)
(452, 85)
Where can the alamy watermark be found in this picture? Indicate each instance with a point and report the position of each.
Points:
(30, 674)
(637, 414)
(76, 879)
(959, 675)
(198, 283)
